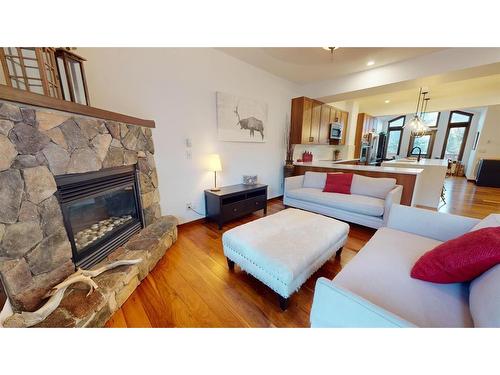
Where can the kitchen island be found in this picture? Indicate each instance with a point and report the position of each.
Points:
(431, 181)
(406, 177)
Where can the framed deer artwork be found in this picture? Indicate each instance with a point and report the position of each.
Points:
(240, 119)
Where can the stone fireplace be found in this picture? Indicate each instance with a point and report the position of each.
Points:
(72, 190)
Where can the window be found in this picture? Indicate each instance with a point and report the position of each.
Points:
(425, 142)
(71, 72)
(456, 135)
(459, 117)
(394, 135)
(397, 122)
(431, 119)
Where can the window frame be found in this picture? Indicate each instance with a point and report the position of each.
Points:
(430, 147)
(394, 129)
(437, 121)
(451, 125)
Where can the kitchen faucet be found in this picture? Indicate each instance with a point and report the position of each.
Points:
(419, 152)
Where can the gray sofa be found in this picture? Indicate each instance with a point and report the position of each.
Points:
(368, 204)
(375, 288)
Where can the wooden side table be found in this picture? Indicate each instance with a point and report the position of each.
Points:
(234, 201)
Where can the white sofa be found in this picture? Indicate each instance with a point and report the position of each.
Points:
(368, 204)
(375, 288)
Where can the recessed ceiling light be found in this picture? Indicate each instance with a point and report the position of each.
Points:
(387, 101)
(370, 63)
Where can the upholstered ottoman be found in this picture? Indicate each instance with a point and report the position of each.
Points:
(283, 250)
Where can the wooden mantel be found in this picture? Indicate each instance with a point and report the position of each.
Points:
(26, 97)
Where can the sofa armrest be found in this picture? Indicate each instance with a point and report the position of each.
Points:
(437, 225)
(294, 182)
(334, 306)
(393, 197)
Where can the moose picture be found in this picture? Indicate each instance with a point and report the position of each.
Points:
(240, 119)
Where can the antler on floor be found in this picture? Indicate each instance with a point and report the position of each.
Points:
(28, 319)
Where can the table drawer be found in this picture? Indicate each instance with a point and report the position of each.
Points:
(257, 203)
(234, 210)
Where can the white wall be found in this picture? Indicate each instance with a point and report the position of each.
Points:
(176, 87)
(488, 145)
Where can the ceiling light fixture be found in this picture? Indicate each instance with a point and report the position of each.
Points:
(370, 63)
(387, 101)
(331, 49)
(417, 125)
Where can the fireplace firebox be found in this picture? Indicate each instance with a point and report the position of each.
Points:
(101, 211)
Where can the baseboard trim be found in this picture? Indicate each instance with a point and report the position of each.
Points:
(192, 222)
(202, 219)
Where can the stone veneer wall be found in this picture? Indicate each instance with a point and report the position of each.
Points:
(37, 144)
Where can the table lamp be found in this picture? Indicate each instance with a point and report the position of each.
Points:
(214, 165)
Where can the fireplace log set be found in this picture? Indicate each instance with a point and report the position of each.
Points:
(91, 234)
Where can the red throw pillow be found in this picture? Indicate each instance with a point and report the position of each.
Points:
(460, 259)
(338, 183)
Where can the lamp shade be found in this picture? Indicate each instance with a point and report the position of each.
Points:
(214, 164)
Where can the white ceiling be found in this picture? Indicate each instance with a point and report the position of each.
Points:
(304, 65)
(473, 92)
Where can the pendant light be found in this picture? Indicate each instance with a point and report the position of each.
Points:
(416, 124)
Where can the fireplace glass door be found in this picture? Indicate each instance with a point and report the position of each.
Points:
(101, 211)
(99, 218)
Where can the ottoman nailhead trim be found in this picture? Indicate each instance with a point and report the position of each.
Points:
(256, 265)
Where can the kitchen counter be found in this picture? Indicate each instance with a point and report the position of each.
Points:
(342, 161)
(430, 184)
(352, 167)
(417, 164)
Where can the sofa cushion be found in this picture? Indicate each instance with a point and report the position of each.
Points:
(460, 259)
(492, 220)
(314, 180)
(371, 186)
(380, 273)
(353, 203)
(338, 183)
(484, 299)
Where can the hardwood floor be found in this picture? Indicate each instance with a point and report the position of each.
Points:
(465, 198)
(192, 287)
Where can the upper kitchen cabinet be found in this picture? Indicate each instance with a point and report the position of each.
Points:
(340, 117)
(314, 132)
(345, 123)
(311, 119)
(300, 122)
(324, 124)
(366, 124)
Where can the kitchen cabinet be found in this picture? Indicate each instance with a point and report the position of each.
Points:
(342, 118)
(364, 125)
(300, 122)
(311, 119)
(324, 125)
(315, 123)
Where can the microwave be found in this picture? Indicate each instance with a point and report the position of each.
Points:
(335, 130)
